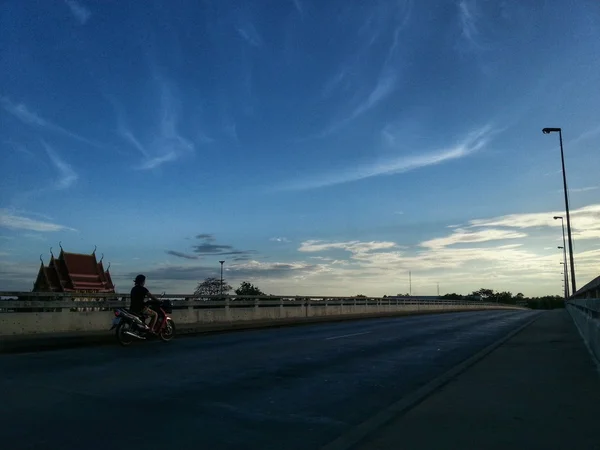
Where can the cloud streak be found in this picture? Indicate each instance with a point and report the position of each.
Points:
(28, 117)
(81, 13)
(14, 222)
(164, 143)
(472, 143)
(67, 176)
(249, 34)
(468, 23)
(181, 255)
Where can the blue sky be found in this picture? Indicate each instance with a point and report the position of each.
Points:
(317, 147)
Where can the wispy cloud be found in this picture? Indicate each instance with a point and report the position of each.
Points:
(157, 161)
(384, 87)
(28, 117)
(386, 16)
(584, 189)
(14, 222)
(279, 239)
(472, 143)
(81, 13)
(248, 32)
(67, 176)
(461, 236)
(467, 17)
(129, 136)
(298, 6)
(585, 136)
(164, 143)
(585, 222)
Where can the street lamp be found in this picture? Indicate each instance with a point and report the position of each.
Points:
(565, 276)
(221, 285)
(566, 271)
(562, 158)
(564, 247)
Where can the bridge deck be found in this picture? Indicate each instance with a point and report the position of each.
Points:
(539, 390)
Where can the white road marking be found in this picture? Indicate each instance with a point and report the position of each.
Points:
(345, 336)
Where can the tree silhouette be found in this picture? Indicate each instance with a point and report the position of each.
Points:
(247, 288)
(211, 286)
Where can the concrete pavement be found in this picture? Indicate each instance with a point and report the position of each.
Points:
(539, 390)
(292, 388)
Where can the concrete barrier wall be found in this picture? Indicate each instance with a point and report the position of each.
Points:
(22, 318)
(586, 315)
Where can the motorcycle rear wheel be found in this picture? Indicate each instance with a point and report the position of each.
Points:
(123, 338)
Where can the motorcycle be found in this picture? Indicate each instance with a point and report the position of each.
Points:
(130, 326)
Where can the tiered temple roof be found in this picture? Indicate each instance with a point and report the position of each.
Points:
(73, 272)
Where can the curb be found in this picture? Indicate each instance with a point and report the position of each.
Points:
(362, 431)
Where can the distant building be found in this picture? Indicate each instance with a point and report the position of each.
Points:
(74, 272)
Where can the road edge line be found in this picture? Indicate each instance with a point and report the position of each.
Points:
(363, 430)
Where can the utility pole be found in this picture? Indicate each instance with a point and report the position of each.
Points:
(221, 285)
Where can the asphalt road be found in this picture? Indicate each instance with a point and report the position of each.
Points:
(293, 388)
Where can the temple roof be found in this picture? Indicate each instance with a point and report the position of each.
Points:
(72, 272)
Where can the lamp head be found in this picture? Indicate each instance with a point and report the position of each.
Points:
(550, 130)
(221, 262)
(557, 217)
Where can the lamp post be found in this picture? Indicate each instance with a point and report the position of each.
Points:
(564, 247)
(221, 285)
(565, 277)
(562, 158)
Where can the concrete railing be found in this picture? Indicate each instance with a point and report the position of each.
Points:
(36, 313)
(586, 315)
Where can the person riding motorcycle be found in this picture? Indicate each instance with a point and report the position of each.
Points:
(138, 306)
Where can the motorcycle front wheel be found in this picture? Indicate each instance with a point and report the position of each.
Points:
(168, 332)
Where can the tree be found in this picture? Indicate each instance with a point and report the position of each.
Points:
(211, 286)
(247, 288)
(484, 294)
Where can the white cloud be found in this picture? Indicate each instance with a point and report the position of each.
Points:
(468, 19)
(279, 239)
(249, 34)
(405, 163)
(11, 221)
(355, 247)
(21, 112)
(81, 13)
(461, 236)
(585, 136)
(157, 161)
(67, 176)
(165, 143)
(585, 222)
(384, 87)
(584, 189)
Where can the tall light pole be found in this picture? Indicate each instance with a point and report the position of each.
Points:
(565, 277)
(562, 158)
(564, 247)
(221, 285)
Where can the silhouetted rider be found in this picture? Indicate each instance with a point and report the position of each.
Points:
(138, 306)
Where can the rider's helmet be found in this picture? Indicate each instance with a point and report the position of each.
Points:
(140, 279)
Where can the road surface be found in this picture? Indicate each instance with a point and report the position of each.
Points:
(293, 388)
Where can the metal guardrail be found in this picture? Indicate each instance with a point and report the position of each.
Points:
(24, 301)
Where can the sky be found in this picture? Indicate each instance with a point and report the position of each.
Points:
(318, 148)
